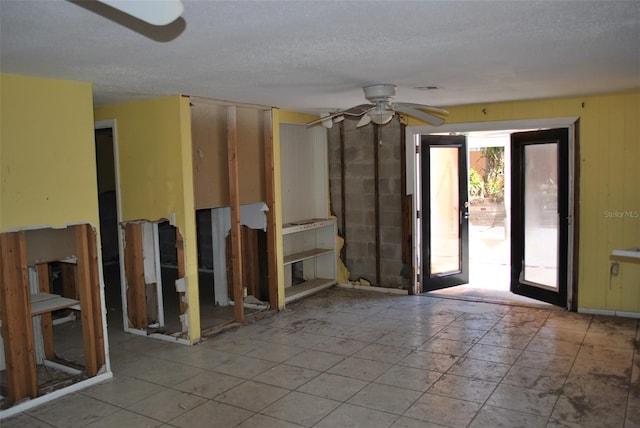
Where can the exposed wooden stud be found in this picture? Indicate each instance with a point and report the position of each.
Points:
(234, 203)
(68, 272)
(181, 268)
(44, 285)
(270, 199)
(376, 192)
(15, 311)
(86, 300)
(134, 270)
(94, 291)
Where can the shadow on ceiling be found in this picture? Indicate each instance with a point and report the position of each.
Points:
(164, 33)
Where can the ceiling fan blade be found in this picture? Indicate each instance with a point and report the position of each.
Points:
(425, 117)
(432, 109)
(358, 110)
(155, 12)
(364, 121)
(325, 118)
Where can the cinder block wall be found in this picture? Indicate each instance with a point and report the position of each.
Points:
(359, 254)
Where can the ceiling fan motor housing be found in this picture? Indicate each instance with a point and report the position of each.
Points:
(379, 93)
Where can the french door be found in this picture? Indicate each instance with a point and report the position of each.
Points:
(540, 215)
(445, 212)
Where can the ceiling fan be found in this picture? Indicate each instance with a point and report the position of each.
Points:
(382, 109)
(154, 12)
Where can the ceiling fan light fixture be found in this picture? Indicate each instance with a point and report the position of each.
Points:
(381, 115)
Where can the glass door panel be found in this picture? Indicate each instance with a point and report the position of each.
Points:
(444, 217)
(541, 215)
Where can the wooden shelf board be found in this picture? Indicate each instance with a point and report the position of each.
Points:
(311, 224)
(42, 303)
(307, 288)
(303, 255)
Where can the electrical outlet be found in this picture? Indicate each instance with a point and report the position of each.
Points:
(614, 270)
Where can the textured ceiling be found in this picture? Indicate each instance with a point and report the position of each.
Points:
(315, 56)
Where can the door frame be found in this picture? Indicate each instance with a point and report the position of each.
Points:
(106, 124)
(413, 134)
(448, 279)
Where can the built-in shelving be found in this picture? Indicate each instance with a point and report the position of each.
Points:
(309, 257)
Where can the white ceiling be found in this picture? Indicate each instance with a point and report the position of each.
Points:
(315, 56)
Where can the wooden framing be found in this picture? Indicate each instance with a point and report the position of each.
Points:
(234, 203)
(181, 269)
(270, 193)
(134, 270)
(15, 311)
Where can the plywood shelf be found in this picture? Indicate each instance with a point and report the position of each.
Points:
(304, 255)
(42, 303)
(307, 288)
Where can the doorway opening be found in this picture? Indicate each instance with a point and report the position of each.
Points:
(486, 211)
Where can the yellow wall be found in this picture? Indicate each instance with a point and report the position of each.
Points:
(47, 153)
(154, 155)
(609, 134)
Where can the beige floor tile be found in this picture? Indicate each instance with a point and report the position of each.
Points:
(168, 373)
(382, 353)
(338, 345)
(299, 408)
(361, 333)
(547, 332)
(205, 358)
(506, 340)
(558, 347)
(479, 369)
(542, 380)
(251, 395)
(245, 367)
(209, 384)
(632, 419)
(275, 352)
(570, 321)
(490, 416)
(496, 354)
(610, 340)
(70, 411)
(125, 418)
(315, 360)
(123, 390)
(411, 341)
(606, 354)
(348, 415)
(385, 398)
(545, 361)
(589, 412)
(301, 340)
(23, 420)
(446, 346)
(460, 334)
(405, 422)
(264, 421)
(409, 378)
(463, 388)
(443, 410)
(429, 361)
(523, 400)
(212, 414)
(360, 369)
(166, 405)
(332, 386)
(287, 376)
(610, 387)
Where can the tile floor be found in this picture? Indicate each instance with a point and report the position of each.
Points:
(347, 358)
